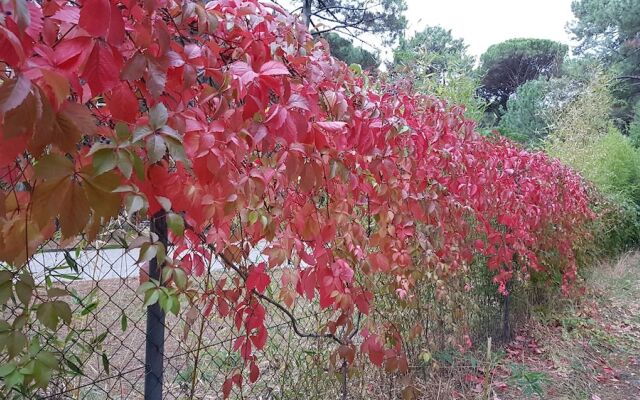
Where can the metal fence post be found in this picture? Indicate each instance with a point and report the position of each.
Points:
(154, 357)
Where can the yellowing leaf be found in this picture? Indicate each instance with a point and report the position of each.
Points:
(59, 84)
(74, 215)
(99, 191)
(21, 119)
(54, 167)
(21, 238)
(63, 129)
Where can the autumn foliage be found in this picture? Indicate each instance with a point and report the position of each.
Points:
(248, 134)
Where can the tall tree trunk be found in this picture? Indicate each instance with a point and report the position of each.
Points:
(306, 12)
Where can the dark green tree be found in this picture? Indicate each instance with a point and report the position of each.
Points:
(531, 109)
(434, 51)
(610, 31)
(434, 62)
(382, 17)
(506, 66)
(344, 50)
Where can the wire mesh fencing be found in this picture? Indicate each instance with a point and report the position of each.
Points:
(97, 320)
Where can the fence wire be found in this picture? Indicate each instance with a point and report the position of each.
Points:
(103, 348)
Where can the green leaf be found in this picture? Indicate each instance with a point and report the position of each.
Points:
(124, 322)
(6, 290)
(151, 297)
(356, 68)
(175, 305)
(167, 272)
(164, 202)
(42, 374)
(63, 310)
(6, 369)
(99, 339)
(124, 163)
(122, 131)
(176, 150)
(134, 203)
(158, 116)
(252, 217)
(48, 315)
(143, 288)
(16, 342)
(5, 276)
(24, 292)
(73, 367)
(138, 166)
(175, 223)
(20, 321)
(105, 363)
(180, 278)
(48, 359)
(141, 133)
(71, 262)
(147, 252)
(14, 379)
(103, 160)
(89, 309)
(171, 133)
(156, 148)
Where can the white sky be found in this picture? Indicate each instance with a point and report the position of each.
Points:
(482, 23)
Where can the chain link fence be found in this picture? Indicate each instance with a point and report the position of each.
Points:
(105, 343)
(101, 339)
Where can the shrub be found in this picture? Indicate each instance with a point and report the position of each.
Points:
(586, 140)
(634, 127)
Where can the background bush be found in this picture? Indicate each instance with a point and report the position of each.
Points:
(586, 139)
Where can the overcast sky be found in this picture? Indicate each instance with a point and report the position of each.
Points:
(482, 23)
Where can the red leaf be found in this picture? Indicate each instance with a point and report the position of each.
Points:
(272, 68)
(95, 17)
(332, 126)
(13, 92)
(70, 55)
(102, 69)
(255, 319)
(363, 302)
(243, 71)
(123, 104)
(11, 50)
(226, 388)
(254, 372)
(374, 348)
(246, 350)
(260, 338)
(67, 14)
(116, 26)
(157, 77)
(11, 148)
(258, 279)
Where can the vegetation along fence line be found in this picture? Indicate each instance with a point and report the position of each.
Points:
(198, 201)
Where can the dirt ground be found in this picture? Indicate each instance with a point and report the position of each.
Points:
(589, 350)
